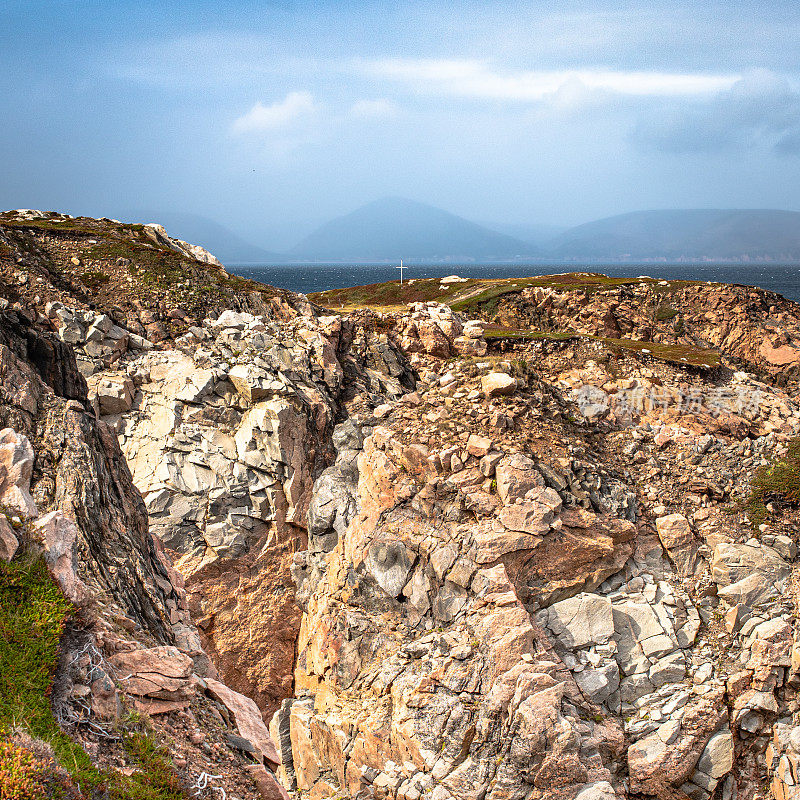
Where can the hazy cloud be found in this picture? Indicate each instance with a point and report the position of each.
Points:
(760, 110)
(479, 79)
(262, 119)
(522, 112)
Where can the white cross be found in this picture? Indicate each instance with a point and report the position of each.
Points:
(401, 271)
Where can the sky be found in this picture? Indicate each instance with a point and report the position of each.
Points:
(272, 117)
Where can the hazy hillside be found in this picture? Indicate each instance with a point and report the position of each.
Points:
(394, 228)
(691, 233)
(219, 240)
(538, 235)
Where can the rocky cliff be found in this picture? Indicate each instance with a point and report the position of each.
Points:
(535, 541)
(126, 644)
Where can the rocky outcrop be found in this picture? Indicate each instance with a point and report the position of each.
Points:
(67, 495)
(434, 329)
(107, 287)
(748, 325)
(524, 570)
(492, 604)
(429, 675)
(80, 473)
(470, 589)
(225, 436)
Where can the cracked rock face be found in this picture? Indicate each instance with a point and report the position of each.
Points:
(434, 679)
(493, 618)
(225, 437)
(56, 458)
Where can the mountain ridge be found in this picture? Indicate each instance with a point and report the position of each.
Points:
(772, 234)
(366, 234)
(394, 227)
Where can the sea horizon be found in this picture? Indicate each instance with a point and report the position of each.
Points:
(784, 278)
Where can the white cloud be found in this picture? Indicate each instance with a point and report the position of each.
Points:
(478, 79)
(374, 109)
(261, 118)
(760, 110)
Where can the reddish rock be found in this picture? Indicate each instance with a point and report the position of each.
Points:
(265, 781)
(496, 384)
(478, 445)
(781, 356)
(105, 699)
(8, 542)
(678, 540)
(516, 475)
(433, 339)
(16, 466)
(653, 766)
(59, 534)
(156, 331)
(248, 621)
(114, 393)
(248, 720)
(158, 677)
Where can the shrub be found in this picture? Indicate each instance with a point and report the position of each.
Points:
(779, 480)
(155, 781)
(94, 279)
(666, 312)
(33, 613)
(32, 616)
(22, 775)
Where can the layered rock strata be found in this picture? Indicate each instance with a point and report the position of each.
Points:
(129, 645)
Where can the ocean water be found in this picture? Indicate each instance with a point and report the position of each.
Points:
(781, 278)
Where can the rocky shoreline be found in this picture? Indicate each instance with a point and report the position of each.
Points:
(493, 540)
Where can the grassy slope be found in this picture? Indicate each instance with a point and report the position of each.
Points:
(33, 613)
(462, 296)
(473, 295)
(154, 272)
(779, 480)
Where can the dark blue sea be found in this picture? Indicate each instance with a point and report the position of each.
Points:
(781, 278)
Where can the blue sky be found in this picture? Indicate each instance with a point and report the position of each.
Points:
(272, 117)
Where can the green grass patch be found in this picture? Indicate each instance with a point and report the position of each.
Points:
(71, 226)
(473, 295)
(156, 779)
(86, 226)
(665, 312)
(391, 293)
(516, 334)
(94, 279)
(164, 268)
(152, 266)
(32, 616)
(673, 353)
(238, 284)
(670, 287)
(589, 282)
(779, 480)
(33, 613)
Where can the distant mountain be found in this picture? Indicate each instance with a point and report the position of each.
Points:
(217, 239)
(538, 235)
(691, 233)
(395, 228)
